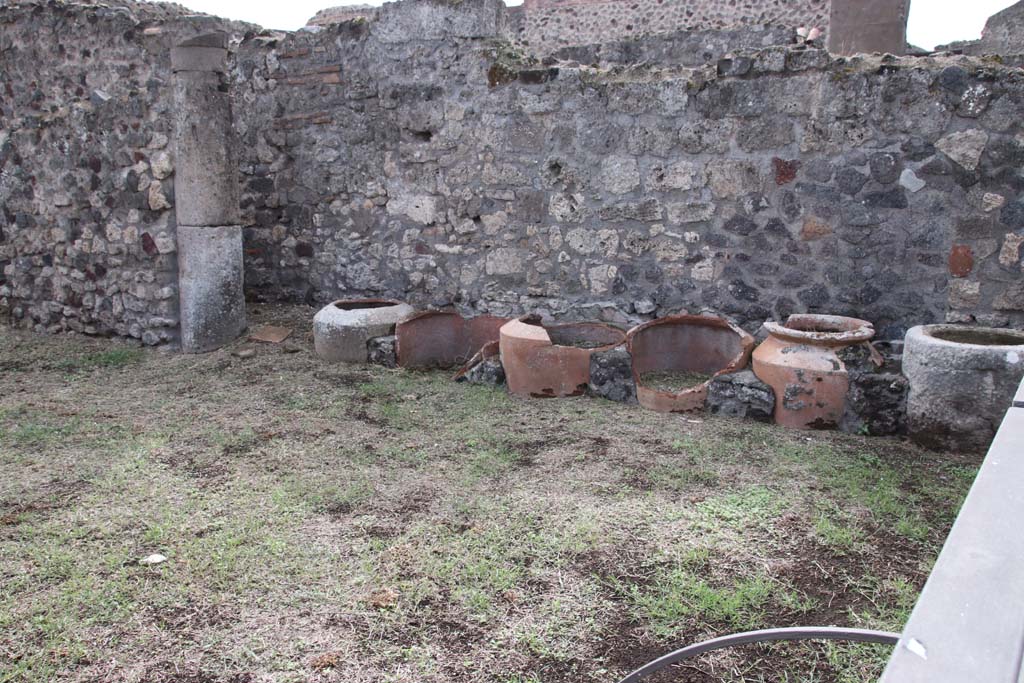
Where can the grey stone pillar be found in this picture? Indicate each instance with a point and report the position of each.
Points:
(210, 272)
(868, 26)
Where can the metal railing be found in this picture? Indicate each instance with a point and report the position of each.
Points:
(763, 636)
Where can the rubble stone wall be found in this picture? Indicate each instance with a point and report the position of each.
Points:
(452, 169)
(422, 157)
(87, 227)
(1003, 35)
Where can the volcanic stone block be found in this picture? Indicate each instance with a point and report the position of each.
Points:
(210, 284)
(381, 351)
(611, 375)
(876, 403)
(741, 394)
(488, 372)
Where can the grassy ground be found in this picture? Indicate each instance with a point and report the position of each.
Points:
(333, 523)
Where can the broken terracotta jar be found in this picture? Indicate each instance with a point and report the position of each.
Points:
(488, 352)
(546, 361)
(444, 339)
(675, 358)
(798, 361)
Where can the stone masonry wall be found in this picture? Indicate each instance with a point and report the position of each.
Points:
(681, 48)
(421, 156)
(1003, 35)
(448, 169)
(87, 228)
(547, 25)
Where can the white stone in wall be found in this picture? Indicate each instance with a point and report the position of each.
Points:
(157, 198)
(567, 208)
(161, 165)
(729, 178)
(619, 175)
(991, 201)
(505, 261)
(687, 212)
(909, 180)
(601, 278)
(964, 147)
(681, 175)
(418, 207)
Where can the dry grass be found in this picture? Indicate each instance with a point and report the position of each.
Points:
(332, 523)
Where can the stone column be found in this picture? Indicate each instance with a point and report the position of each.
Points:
(868, 26)
(206, 197)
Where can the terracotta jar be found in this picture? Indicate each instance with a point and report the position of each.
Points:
(798, 361)
(545, 361)
(706, 346)
(443, 339)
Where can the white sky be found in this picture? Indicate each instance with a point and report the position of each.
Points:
(932, 22)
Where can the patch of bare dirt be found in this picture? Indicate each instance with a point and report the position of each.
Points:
(168, 672)
(50, 497)
(360, 413)
(188, 618)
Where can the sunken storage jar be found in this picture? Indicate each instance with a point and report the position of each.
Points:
(676, 357)
(546, 361)
(342, 329)
(962, 381)
(798, 361)
(445, 339)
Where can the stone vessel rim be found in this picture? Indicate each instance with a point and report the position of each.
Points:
(360, 304)
(942, 334)
(822, 330)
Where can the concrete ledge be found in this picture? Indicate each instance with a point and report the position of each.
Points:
(210, 284)
(207, 52)
(968, 624)
(213, 39)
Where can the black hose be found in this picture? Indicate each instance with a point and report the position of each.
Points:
(795, 633)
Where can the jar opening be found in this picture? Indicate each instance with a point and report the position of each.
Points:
(980, 337)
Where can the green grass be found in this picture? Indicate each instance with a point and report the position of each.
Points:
(679, 476)
(879, 487)
(36, 434)
(840, 535)
(680, 600)
(756, 507)
(114, 358)
(337, 499)
(837, 529)
(422, 530)
(684, 595)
